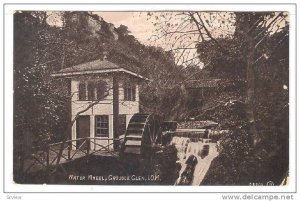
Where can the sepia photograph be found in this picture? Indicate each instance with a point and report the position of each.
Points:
(151, 98)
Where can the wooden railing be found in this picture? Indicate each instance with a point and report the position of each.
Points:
(45, 157)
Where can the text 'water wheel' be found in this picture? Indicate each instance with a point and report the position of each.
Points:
(142, 135)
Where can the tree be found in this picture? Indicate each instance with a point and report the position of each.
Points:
(248, 51)
(123, 50)
(39, 107)
(249, 31)
(42, 103)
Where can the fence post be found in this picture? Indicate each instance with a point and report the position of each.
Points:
(88, 146)
(47, 157)
(69, 150)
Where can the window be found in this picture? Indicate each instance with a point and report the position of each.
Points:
(82, 91)
(101, 126)
(129, 93)
(100, 90)
(92, 90)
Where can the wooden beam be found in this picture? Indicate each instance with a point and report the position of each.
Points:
(115, 111)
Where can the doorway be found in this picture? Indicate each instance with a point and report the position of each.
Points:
(82, 130)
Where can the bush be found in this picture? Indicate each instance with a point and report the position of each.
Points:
(165, 165)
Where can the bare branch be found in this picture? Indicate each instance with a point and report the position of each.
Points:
(269, 25)
(210, 36)
(197, 24)
(273, 49)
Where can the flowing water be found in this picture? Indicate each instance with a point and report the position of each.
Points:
(201, 152)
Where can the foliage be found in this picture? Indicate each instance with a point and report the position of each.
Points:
(39, 101)
(165, 165)
(270, 107)
(226, 65)
(248, 51)
(41, 49)
(160, 95)
(41, 106)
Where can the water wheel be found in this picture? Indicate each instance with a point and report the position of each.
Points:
(142, 136)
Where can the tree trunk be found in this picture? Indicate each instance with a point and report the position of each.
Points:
(250, 93)
(68, 133)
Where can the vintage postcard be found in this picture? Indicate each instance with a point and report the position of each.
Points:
(152, 97)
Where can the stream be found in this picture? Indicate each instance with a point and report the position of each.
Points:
(195, 159)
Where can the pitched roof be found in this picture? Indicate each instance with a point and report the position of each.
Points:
(203, 83)
(94, 67)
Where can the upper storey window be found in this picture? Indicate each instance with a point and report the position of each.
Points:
(129, 93)
(92, 90)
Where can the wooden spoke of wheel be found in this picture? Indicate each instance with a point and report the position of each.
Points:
(153, 130)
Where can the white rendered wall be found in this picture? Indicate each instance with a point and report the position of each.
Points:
(104, 107)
